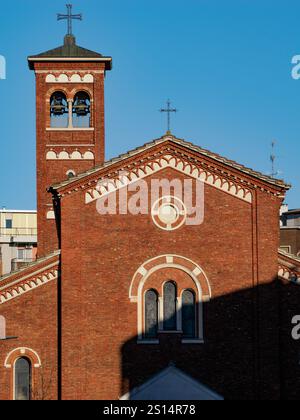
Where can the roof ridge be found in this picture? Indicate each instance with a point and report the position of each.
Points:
(34, 263)
(192, 146)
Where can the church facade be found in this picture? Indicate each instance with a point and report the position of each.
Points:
(158, 274)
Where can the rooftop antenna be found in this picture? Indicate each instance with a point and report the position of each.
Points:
(273, 159)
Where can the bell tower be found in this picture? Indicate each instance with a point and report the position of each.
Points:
(70, 135)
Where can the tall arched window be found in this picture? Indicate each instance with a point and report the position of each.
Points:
(22, 379)
(188, 314)
(82, 110)
(170, 300)
(151, 314)
(59, 110)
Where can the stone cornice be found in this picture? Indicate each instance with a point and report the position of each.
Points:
(30, 278)
(289, 267)
(146, 156)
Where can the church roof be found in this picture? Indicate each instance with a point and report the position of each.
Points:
(172, 384)
(192, 147)
(289, 267)
(27, 279)
(68, 52)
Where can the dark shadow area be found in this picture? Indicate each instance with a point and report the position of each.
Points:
(248, 351)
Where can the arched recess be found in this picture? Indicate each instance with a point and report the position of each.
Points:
(82, 110)
(35, 364)
(22, 352)
(193, 270)
(59, 110)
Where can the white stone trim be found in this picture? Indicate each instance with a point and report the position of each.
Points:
(50, 215)
(289, 275)
(74, 78)
(23, 351)
(68, 145)
(75, 155)
(174, 202)
(23, 287)
(180, 165)
(169, 258)
(140, 300)
(69, 71)
(70, 59)
(70, 129)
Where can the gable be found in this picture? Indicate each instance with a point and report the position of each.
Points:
(211, 169)
(179, 164)
(170, 385)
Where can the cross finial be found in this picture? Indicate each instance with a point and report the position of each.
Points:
(69, 17)
(169, 110)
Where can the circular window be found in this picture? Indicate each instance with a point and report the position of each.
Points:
(169, 213)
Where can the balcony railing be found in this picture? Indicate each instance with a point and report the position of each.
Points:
(18, 231)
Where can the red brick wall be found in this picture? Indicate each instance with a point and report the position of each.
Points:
(50, 172)
(237, 248)
(32, 318)
(248, 352)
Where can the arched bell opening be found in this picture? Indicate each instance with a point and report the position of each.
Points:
(59, 110)
(82, 110)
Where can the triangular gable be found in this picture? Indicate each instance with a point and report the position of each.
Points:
(179, 164)
(172, 385)
(169, 151)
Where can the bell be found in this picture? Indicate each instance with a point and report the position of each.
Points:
(57, 107)
(81, 107)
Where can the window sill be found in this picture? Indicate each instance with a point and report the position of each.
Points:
(192, 341)
(145, 341)
(70, 129)
(170, 332)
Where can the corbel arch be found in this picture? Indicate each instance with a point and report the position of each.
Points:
(170, 261)
(84, 89)
(58, 88)
(22, 352)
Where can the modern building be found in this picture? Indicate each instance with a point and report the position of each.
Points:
(18, 239)
(290, 231)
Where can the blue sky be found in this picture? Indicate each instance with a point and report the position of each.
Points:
(226, 65)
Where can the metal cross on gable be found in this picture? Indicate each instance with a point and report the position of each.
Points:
(69, 17)
(169, 110)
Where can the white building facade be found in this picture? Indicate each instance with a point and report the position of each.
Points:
(18, 239)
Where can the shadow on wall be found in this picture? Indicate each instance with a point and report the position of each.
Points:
(248, 351)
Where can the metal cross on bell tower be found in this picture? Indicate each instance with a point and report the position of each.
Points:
(69, 17)
(169, 110)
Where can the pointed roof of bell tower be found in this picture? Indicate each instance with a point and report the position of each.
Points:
(70, 51)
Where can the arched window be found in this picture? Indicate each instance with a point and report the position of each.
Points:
(151, 314)
(22, 379)
(71, 174)
(188, 314)
(82, 110)
(59, 110)
(170, 300)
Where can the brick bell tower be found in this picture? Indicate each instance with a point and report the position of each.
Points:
(70, 136)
